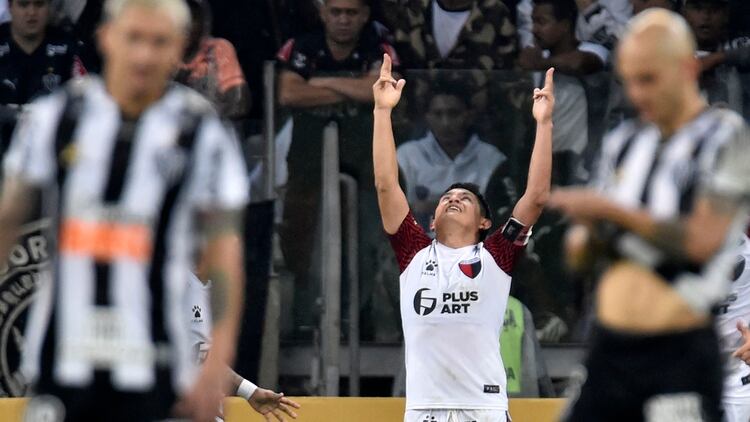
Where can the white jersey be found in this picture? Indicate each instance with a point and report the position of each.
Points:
(736, 308)
(124, 195)
(452, 307)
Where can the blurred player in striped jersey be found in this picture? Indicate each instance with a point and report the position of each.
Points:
(664, 218)
(732, 319)
(454, 289)
(140, 177)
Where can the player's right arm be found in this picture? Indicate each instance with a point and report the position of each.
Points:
(391, 198)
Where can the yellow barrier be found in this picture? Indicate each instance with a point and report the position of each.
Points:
(342, 409)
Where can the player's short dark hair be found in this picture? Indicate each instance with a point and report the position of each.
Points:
(484, 208)
(562, 9)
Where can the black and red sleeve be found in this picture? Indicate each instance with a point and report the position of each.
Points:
(508, 244)
(408, 240)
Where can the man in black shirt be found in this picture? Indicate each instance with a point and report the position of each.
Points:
(34, 58)
(328, 75)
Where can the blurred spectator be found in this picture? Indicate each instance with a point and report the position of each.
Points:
(34, 58)
(450, 151)
(557, 46)
(452, 34)
(598, 21)
(211, 66)
(722, 58)
(328, 75)
(4, 13)
(314, 64)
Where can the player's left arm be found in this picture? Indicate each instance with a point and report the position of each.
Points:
(532, 202)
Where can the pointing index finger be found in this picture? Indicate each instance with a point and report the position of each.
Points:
(385, 68)
(549, 82)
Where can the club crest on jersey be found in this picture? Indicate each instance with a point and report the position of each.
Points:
(430, 267)
(471, 267)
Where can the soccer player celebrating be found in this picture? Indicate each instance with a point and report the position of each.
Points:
(664, 225)
(454, 289)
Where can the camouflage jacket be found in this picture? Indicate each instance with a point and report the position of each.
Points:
(487, 40)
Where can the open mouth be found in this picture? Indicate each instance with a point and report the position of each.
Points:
(453, 208)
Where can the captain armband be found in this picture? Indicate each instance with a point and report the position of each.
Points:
(516, 232)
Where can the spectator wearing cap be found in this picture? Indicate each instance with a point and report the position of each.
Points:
(723, 60)
(211, 66)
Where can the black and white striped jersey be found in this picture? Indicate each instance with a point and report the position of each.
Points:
(124, 196)
(641, 169)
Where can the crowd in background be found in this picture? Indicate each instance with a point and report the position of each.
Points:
(470, 66)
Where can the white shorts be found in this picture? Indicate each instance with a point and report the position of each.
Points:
(458, 415)
(736, 412)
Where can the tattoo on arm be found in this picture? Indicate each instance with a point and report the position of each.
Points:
(218, 294)
(669, 237)
(218, 223)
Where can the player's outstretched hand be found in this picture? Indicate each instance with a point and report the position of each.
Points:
(743, 352)
(544, 99)
(271, 404)
(386, 90)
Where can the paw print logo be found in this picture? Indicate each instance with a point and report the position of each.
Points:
(430, 267)
(196, 311)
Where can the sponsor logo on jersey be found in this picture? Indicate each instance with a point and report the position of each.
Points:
(458, 302)
(424, 305)
(471, 267)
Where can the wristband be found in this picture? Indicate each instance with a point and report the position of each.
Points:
(246, 389)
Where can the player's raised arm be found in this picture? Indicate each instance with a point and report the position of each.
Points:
(531, 204)
(391, 198)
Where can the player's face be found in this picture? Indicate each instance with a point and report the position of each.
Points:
(641, 5)
(654, 84)
(448, 119)
(707, 20)
(142, 48)
(29, 17)
(344, 19)
(547, 30)
(462, 207)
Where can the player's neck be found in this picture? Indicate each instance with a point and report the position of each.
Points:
(693, 105)
(456, 237)
(28, 44)
(131, 104)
